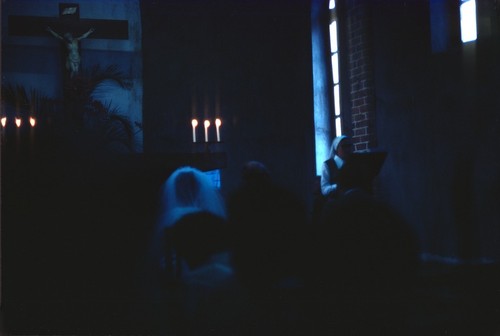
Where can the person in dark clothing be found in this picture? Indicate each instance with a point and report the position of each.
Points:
(367, 262)
(341, 148)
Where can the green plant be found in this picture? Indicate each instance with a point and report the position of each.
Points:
(78, 113)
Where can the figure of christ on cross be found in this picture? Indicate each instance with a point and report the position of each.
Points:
(72, 46)
(65, 28)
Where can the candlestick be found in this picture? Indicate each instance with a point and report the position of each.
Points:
(218, 122)
(194, 123)
(32, 122)
(207, 124)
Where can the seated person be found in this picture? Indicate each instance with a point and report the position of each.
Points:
(341, 148)
(366, 265)
(187, 190)
(255, 173)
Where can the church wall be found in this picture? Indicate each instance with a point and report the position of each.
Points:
(37, 62)
(437, 116)
(250, 63)
(75, 228)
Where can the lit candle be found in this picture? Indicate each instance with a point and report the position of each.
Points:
(32, 121)
(207, 124)
(217, 125)
(18, 122)
(3, 121)
(194, 123)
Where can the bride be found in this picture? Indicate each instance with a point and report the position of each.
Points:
(187, 190)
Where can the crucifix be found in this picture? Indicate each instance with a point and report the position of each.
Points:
(70, 29)
(73, 53)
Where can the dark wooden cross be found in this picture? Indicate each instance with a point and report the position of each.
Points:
(68, 21)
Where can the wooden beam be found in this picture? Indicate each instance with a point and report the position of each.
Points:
(36, 26)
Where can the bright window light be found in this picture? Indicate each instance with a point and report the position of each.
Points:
(326, 117)
(468, 25)
(334, 54)
(335, 68)
(336, 98)
(333, 37)
(338, 126)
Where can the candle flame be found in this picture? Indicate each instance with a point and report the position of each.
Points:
(32, 121)
(218, 122)
(207, 123)
(18, 122)
(3, 121)
(194, 122)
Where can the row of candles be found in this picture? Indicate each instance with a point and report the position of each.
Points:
(17, 121)
(206, 125)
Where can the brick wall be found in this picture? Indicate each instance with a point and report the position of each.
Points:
(361, 75)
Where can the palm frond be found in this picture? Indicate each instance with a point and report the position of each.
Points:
(97, 76)
(113, 125)
(120, 129)
(31, 101)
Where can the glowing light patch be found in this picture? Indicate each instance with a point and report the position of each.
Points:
(468, 24)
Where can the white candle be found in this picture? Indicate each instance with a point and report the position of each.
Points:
(217, 125)
(207, 124)
(194, 123)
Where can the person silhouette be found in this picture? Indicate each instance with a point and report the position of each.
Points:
(341, 148)
(72, 45)
(269, 253)
(187, 190)
(366, 264)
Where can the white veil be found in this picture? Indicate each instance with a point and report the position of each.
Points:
(188, 190)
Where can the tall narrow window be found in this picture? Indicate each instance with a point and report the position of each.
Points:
(468, 26)
(334, 54)
(326, 76)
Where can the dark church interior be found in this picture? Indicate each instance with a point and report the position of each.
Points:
(97, 127)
